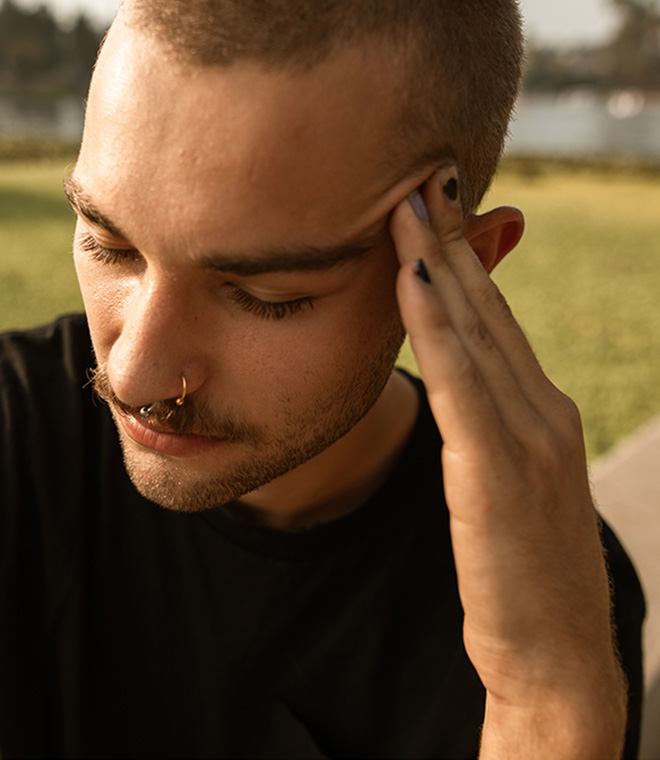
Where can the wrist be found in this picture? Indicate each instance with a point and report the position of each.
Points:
(574, 724)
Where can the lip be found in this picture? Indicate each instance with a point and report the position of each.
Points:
(170, 444)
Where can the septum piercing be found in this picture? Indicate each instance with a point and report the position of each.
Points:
(182, 397)
(146, 410)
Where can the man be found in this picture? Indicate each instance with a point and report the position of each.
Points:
(264, 190)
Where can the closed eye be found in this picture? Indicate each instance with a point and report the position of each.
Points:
(273, 310)
(100, 253)
(270, 309)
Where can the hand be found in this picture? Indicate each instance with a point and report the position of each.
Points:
(531, 573)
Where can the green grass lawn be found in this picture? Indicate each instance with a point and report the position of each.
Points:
(37, 280)
(584, 283)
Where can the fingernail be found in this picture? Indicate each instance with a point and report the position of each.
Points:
(451, 189)
(419, 207)
(448, 178)
(422, 272)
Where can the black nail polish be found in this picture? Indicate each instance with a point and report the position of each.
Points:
(422, 272)
(451, 189)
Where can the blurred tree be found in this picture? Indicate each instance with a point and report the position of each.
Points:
(37, 54)
(635, 48)
(28, 43)
(82, 44)
(551, 70)
(630, 59)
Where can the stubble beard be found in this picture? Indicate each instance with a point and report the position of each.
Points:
(253, 456)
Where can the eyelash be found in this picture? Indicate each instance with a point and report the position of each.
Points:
(274, 310)
(270, 309)
(107, 255)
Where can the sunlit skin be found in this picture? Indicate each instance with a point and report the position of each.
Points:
(271, 162)
(196, 183)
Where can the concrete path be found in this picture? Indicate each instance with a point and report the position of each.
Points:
(627, 488)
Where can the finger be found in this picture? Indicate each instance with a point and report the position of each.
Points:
(441, 196)
(521, 393)
(460, 395)
(442, 199)
(459, 359)
(439, 239)
(462, 367)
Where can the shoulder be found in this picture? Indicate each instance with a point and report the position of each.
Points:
(52, 436)
(64, 340)
(43, 373)
(42, 359)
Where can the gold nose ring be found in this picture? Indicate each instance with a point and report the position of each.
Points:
(182, 397)
(148, 409)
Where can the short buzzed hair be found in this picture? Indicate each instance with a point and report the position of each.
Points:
(458, 62)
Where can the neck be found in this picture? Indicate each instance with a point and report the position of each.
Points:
(346, 474)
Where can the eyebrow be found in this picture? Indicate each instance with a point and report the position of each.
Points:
(85, 207)
(288, 259)
(303, 259)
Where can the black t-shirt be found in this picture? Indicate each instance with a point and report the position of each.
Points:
(130, 631)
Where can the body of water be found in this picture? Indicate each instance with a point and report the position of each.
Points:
(580, 123)
(59, 119)
(573, 124)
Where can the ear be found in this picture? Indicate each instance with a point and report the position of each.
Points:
(494, 234)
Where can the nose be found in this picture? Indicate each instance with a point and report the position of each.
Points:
(157, 345)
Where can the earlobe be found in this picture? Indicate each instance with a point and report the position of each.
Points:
(494, 234)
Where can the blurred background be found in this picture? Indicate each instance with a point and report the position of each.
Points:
(591, 84)
(582, 162)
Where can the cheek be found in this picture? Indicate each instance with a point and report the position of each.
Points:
(252, 359)
(345, 331)
(371, 314)
(102, 297)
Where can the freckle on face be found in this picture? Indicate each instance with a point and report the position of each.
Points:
(302, 389)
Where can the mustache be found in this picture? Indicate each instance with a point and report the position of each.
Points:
(193, 418)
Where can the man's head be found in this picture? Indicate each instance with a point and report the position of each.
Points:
(457, 64)
(233, 229)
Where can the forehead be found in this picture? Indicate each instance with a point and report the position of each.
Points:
(206, 149)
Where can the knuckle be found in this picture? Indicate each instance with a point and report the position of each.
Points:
(450, 236)
(468, 373)
(493, 299)
(547, 451)
(500, 301)
(570, 420)
(555, 443)
(478, 332)
(570, 411)
(436, 254)
(566, 414)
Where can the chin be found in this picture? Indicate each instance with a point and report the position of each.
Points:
(183, 486)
